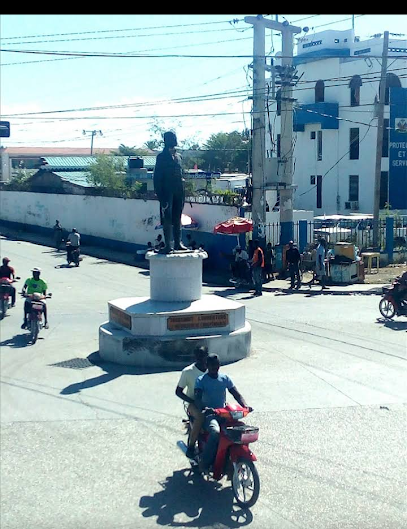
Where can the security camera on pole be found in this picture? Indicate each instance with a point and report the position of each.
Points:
(286, 161)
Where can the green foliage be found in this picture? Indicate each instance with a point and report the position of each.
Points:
(108, 174)
(21, 180)
(124, 150)
(227, 151)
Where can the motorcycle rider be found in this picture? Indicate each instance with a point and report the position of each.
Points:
(400, 293)
(7, 271)
(185, 391)
(34, 285)
(210, 393)
(75, 241)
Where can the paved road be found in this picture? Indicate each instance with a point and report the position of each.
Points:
(93, 445)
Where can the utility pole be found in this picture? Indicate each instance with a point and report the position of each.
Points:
(93, 134)
(258, 168)
(379, 141)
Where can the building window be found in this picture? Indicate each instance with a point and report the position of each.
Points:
(353, 187)
(384, 189)
(391, 81)
(319, 192)
(319, 146)
(354, 144)
(354, 85)
(385, 147)
(278, 99)
(312, 180)
(320, 92)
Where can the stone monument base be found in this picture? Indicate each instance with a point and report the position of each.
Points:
(151, 333)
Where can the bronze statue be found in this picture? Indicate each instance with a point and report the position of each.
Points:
(169, 188)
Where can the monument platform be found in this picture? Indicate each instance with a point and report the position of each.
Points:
(164, 329)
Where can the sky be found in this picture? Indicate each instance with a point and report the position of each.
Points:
(200, 88)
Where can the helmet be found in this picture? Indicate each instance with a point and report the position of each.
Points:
(6, 260)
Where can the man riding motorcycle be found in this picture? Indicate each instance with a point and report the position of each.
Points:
(75, 241)
(210, 393)
(7, 271)
(31, 286)
(185, 391)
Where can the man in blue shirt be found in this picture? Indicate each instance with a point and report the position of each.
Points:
(210, 393)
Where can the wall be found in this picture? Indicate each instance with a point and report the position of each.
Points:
(125, 224)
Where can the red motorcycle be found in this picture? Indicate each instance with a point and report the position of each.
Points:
(393, 302)
(5, 294)
(234, 459)
(35, 322)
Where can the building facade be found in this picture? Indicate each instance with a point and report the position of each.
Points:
(335, 123)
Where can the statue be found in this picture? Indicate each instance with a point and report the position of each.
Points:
(169, 188)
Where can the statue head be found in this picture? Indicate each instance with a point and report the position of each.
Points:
(170, 139)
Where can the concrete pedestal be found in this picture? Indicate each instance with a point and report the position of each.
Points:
(164, 329)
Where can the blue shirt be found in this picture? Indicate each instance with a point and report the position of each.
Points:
(214, 389)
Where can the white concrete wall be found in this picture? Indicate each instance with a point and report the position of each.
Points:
(127, 220)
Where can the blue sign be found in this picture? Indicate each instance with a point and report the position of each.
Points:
(398, 148)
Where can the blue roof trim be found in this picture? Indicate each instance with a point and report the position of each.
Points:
(325, 53)
(324, 113)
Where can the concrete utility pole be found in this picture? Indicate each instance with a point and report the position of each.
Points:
(258, 167)
(379, 143)
(93, 133)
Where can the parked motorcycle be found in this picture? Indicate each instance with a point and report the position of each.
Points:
(234, 459)
(5, 294)
(35, 316)
(392, 303)
(72, 256)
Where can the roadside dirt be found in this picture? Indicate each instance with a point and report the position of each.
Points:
(385, 275)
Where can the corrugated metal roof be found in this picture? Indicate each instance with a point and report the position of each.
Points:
(82, 162)
(78, 178)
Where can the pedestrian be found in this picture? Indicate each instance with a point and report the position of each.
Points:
(320, 263)
(257, 268)
(293, 259)
(58, 230)
(250, 249)
(268, 263)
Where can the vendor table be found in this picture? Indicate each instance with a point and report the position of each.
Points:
(370, 256)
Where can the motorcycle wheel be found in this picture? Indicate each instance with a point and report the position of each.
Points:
(387, 309)
(4, 307)
(245, 483)
(34, 330)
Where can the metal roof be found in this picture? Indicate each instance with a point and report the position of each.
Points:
(78, 178)
(67, 163)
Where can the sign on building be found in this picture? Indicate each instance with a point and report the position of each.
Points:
(398, 148)
(4, 129)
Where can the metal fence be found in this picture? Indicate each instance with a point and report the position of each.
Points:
(358, 233)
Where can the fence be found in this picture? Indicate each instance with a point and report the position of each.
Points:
(392, 236)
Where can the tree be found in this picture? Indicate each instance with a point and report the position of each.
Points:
(108, 173)
(227, 151)
(132, 151)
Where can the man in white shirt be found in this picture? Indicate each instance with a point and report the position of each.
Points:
(185, 391)
(75, 241)
(320, 263)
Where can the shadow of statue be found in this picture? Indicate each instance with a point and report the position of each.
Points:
(17, 341)
(188, 495)
(110, 371)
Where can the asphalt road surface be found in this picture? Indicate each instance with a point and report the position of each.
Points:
(92, 445)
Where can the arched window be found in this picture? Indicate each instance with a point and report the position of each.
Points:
(319, 92)
(391, 81)
(354, 85)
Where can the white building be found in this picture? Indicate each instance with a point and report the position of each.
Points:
(335, 121)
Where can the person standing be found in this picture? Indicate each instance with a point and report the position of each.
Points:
(268, 263)
(58, 230)
(320, 263)
(293, 259)
(257, 268)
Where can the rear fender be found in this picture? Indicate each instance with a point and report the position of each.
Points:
(238, 451)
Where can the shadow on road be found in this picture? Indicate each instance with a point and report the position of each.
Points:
(17, 341)
(393, 324)
(206, 503)
(111, 372)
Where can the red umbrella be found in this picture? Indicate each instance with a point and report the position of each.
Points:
(234, 226)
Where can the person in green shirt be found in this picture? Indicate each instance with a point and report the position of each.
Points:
(34, 285)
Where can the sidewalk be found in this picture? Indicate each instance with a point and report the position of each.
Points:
(209, 277)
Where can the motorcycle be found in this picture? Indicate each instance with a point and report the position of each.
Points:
(391, 304)
(234, 459)
(5, 282)
(244, 277)
(35, 321)
(72, 256)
